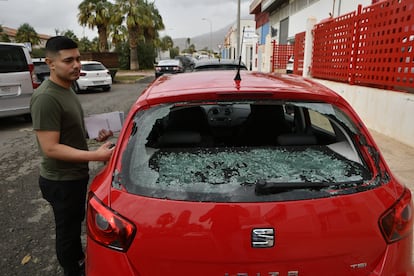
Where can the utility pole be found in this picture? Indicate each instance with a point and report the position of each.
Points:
(211, 35)
(238, 29)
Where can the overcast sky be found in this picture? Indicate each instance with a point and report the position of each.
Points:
(182, 18)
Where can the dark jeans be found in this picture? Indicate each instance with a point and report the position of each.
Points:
(68, 202)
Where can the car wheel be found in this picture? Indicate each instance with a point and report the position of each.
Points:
(75, 87)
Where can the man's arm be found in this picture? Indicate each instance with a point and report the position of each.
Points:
(49, 142)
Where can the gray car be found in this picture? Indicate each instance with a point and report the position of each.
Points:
(16, 80)
(218, 64)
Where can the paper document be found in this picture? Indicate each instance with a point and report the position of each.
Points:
(110, 121)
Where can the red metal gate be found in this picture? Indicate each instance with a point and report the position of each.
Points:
(372, 46)
(280, 56)
(299, 53)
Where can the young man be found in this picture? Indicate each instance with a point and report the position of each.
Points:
(59, 125)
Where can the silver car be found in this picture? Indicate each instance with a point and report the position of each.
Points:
(16, 80)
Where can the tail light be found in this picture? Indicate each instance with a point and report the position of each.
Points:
(82, 74)
(396, 223)
(108, 228)
(35, 81)
(157, 68)
(176, 68)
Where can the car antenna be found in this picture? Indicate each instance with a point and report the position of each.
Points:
(237, 77)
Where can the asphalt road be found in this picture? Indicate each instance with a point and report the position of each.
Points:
(27, 225)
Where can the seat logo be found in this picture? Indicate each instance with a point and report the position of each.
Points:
(263, 237)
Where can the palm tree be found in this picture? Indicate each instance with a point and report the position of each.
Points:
(142, 21)
(96, 13)
(26, 33)
(155, 23)
(166, 43)
(71, 35)
(3, 36)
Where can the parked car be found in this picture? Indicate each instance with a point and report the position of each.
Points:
(218, 64)
(41, 70)
(93, 75)
(188, 63)
(168, 66)
(267, 175)
(289, 65)
(16, 80)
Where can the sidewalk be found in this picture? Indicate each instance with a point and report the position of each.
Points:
(399, 157)
(128, 76)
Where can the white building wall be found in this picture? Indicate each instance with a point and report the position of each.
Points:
(387, 112)
(320, 10)
(249, 40)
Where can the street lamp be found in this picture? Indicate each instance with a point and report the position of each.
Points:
(211, 33)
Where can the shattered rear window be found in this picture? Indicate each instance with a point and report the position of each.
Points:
(235, 173)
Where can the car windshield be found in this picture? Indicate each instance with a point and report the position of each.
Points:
(93, 67)
(169, 62)
(41, 67)
(243, 152)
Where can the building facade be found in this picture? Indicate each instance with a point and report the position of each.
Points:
(248, 41)
(11, 33)
(281, 20)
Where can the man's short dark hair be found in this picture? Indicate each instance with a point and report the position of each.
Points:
(57, 43)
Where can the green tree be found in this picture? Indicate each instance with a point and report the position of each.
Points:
(71, 35)
(3, 36)
(155, 23)
(174, 52)
(143, 22)
(192, 49)
(85, 45)
(26, 33)
(96, 13)
(166, 43)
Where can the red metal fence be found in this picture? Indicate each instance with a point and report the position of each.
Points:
(299, 53)
(280, 56)
(372, 46)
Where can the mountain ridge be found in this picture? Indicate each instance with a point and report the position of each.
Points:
(203, 41)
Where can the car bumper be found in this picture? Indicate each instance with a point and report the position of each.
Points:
(104, 261)
(94, 83)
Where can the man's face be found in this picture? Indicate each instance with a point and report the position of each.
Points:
(66, 65)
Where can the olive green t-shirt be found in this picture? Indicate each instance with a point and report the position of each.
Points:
(56, 108)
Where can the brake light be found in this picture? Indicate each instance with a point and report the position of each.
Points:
(108, 228)
(35, 81)
(397, 222)
(82, 74)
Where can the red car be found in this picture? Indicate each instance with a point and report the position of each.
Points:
(269, 175)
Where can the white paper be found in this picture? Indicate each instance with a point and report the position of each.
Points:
(110, 121)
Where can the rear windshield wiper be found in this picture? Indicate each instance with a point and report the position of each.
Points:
(265, 188)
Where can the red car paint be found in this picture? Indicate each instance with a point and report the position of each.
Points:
(338, 235)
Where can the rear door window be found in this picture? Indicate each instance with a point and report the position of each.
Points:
(12, 59)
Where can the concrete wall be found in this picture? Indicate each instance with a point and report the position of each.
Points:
(388, 112)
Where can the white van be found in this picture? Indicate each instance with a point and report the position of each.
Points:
(16, 80)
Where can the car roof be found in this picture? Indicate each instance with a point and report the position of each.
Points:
(90, 62)
(215, 85)
(12, 44)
